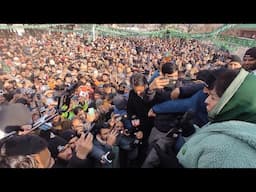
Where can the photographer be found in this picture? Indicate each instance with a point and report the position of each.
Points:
(120, 108)
(128, 143)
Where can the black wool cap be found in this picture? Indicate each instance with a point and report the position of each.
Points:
(24, 145)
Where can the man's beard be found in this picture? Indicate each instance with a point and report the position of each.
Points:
(249, 67)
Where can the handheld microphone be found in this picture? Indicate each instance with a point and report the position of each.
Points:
(108, 157)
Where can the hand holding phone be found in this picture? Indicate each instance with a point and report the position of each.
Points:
(90, 114)
(159, 83)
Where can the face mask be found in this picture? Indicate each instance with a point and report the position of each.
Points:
(49, 101)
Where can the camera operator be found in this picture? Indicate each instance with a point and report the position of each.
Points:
(59, 85)
(68, 80)
(120, 108)
(127, 141)
(67, 101)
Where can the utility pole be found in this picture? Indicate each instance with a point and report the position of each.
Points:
(93, 32)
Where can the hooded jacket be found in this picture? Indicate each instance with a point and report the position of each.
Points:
(238, 101)
(230, 144)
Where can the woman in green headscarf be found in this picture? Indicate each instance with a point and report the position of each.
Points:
(229, 140)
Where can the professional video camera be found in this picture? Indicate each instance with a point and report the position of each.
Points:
(63, 99)
(126, 138)
(127, 143)
(185, 125)
(65, 96)
(102, 156)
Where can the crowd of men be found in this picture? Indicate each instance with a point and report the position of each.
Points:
(111, 103)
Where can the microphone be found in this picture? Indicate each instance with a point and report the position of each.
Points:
(108, 157)
(11, 128)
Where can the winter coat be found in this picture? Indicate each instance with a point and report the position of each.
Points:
(229, 144)
(139, 107)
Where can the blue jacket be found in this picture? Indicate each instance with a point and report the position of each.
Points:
(98, 151)
(229, 144)
(155, 75)
(190, 89)
(194, 103)
(126, 121)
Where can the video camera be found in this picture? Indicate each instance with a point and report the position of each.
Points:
(127, 143)
(185, 125)
(171, 84)
(108, 157)
(102, 156)
(72, 87)
(119, 117)
(65, 96)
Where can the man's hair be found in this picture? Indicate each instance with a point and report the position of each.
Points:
(18, 161)
(23, 145)
(77, 109)
(138, 79)
(210, 76)
(102, 125)
(168, 68)
(23, 101)
(224, 80)
(251, 52)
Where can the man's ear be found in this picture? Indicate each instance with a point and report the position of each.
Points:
(38, 159)
(43, 158)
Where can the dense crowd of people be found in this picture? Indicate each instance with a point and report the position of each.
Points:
(125, 102)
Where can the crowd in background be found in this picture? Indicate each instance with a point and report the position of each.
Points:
(107, 97)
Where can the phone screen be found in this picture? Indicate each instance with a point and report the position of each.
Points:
(90, 111)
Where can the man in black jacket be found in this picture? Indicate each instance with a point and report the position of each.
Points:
(64, 158)
(166, 123)
(28, 145)
(137, 112)
(37, 148)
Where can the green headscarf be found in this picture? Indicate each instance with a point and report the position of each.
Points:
(238, 101)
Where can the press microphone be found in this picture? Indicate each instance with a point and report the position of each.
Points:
(108, 157)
